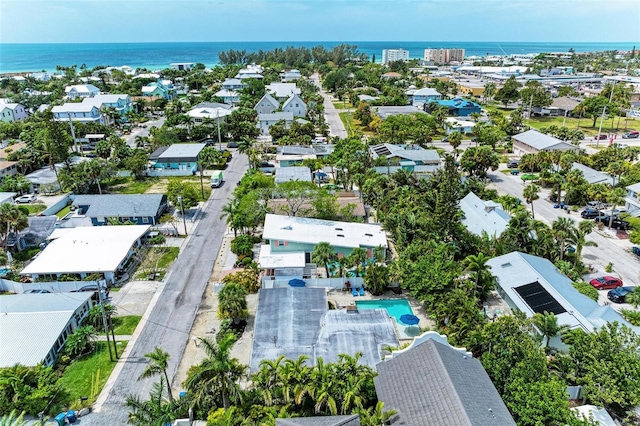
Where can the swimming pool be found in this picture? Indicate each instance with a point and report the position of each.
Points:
(395, 307)
(4, 271)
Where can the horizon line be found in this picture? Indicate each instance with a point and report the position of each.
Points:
(329, 41)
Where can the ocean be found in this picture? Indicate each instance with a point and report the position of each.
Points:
(39, 57)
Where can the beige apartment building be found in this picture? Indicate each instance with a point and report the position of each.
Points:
(443, 56)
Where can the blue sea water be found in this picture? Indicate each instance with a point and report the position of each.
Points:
(38, 57)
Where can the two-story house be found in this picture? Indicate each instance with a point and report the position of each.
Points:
(180, 156)
(120, 102)
(81, 112)
(267, 104)
(160, 89)
(209, 110)
(233, 84)
(11, 111)
(230, 97)
(290, 75)
(282, 91)
(425, 95)
(633, 200)
(295, 105)
(81, 91)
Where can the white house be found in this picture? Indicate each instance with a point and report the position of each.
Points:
(250, 71)
(424, 96)
(483, 216)
(87, 250)
(11, 111)
(295, 105)
(457, 125)
(632, 199)
(233, 84)
(39, 324)
(82, 112)
(163, 89)
(182, 66)
(228, 96)
(532, 284)
(282, 91)
(210, 110)
(81, 91)
(265, 121)
(120, 102)
(533, 141)
(290, 75)
(267, 104)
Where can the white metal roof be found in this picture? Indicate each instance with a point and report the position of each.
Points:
(30, 324)
(183, 150)
(313, 231)
(283, 90)
(269, 260)
(87, 249)
(212, 113)
(481, 216)
(74, 107)
(541, 141)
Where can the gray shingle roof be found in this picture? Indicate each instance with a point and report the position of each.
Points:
(433, 384)
(124, 205)
(352, 420)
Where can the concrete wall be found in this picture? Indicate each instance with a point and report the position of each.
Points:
(169, 172)
(55, 208)
(332, 283)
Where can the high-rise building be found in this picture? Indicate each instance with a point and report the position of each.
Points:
(391, 55)
(443, 56)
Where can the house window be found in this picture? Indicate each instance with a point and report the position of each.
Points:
(282, 243)
(145, 220)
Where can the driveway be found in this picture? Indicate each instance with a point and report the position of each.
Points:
(609, 249)
(170, 321)
(142, 131)
(336, 127)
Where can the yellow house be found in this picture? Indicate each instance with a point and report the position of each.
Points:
(471, 89)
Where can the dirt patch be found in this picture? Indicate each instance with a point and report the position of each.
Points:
(622, 235)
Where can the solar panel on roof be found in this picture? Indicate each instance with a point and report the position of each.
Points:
(539, 299)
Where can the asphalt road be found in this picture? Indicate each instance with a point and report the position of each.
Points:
(336, 128)
(609, 249)
(173, 315)
(142, 131)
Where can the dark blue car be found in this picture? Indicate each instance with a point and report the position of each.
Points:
(619, 295)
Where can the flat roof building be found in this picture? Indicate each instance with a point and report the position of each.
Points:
(392, 55)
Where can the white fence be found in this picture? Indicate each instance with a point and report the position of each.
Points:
(53, 286)
(169, 172)
(55, 208)
(333, 283)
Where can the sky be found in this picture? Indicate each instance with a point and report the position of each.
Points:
(93, 21)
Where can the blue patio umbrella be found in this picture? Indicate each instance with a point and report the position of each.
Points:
(409, 319)
(296, 282)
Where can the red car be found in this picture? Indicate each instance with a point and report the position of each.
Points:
(606, 282)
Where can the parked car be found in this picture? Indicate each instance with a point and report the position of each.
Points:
(601, 136)
(513, 164)
(596, 205)
(26, 198)
(631, 135)
(606, 282)
(529, 176)
(590, 213)
(619, 295)
(232, 144)
(36, 290)
(617, 223)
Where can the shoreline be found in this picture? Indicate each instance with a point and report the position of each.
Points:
(26, 58)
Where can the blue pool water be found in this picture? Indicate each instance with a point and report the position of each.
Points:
(4, 271)
(395, 307)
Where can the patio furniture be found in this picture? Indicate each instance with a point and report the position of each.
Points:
(409, 319)
(361, 291)
(354, 292)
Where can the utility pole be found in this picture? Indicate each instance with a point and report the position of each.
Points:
(73, 135)
(219, 138)
(184, 220)
(604, 108)
(104, 317)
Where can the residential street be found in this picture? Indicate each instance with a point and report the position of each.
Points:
(172, 317)
(336, 128)
(610, 249)
(142, 131)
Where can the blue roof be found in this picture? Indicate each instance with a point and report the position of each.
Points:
(458, 103)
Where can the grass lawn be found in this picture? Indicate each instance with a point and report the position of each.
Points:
(27, 254)
(342, 105)
(87, 376)
(129, 185)
(352, 124)
(62, 213)
(34, 209)
(170, 254)
(125, 325)
(158, 259)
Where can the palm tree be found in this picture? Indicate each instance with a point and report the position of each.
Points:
(547, 323)
(455, 140)
(11, 220)
(155, 411)
(358, 258)
(323, 254)
(216, 377)
(579, 238)
(245, 146)
(484, 280)
(530, 194)
(563, 229)
(13, 419)
(376, 416)
(158, 364)
(232, 302)
(231, 211)
(489, 90)
(615, 198)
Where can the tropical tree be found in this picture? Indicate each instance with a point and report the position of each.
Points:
(455, 140)
(376, 279)
(157, 410)
(232, 302)
(530, 194)
(80, 341)
(563, 229)
(579, 240)
(158, 364)
(376, 416)
(13, 419)
(323, 254)
(615, 198)
(547, 324)
(215, 379)
(509, 91)
(480, 272)
(12, 219)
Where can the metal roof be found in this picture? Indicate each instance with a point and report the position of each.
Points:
(351, 420)
(517, 269)
(541, 141)
(182, 152)
(406, 152)
(312, 231)
(286, 174)
(87, 249)
(123, 205)
(32, 323)
(434, 384)
(593, 176)
(480, 216)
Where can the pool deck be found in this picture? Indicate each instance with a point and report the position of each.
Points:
(343, 299)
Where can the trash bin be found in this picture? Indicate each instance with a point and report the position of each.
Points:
(71, 416)
(61, 419)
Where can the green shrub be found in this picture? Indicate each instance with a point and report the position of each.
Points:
(246, 261)
(586, 289)
(632, 316)
(157, 240)
(609, 267)
(242, 245)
